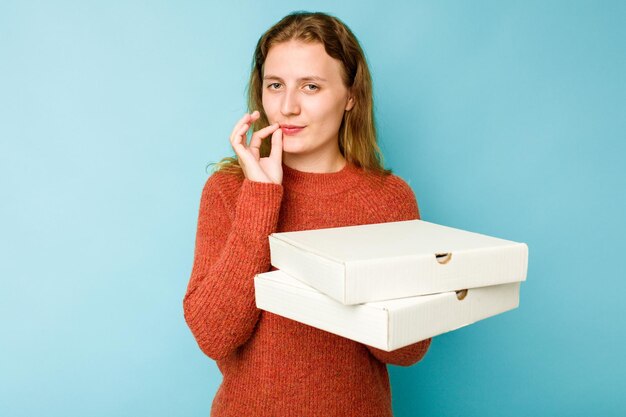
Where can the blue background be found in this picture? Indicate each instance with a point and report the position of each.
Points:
(506, 118)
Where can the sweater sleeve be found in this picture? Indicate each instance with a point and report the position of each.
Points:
(219, 305)
(403, 206)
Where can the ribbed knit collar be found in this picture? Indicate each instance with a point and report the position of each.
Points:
(312, 183)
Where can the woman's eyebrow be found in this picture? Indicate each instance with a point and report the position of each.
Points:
(307, 78)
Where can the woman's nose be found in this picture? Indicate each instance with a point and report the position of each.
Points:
(290, 104)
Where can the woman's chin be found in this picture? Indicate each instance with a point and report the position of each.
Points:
(292, 147)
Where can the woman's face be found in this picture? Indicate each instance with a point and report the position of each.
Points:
(304, 92)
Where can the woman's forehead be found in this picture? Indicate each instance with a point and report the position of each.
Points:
(298, 60)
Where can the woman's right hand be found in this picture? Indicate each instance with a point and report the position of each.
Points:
(268, 169)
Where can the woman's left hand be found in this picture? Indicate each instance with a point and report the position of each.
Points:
(267, 169)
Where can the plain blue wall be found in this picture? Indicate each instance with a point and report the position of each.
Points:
(507, 118)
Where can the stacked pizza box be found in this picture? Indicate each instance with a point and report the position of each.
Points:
(389, 285)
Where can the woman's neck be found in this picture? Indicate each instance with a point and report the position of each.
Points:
(319, 184)
(316, 164)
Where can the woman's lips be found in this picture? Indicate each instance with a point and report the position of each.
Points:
(291, 129)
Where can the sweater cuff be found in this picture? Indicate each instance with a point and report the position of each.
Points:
(258, 207)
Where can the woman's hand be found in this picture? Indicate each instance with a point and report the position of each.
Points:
(255, 168)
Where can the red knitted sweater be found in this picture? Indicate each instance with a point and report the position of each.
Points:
(273, 366)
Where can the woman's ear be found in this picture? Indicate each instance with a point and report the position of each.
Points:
(350, 104)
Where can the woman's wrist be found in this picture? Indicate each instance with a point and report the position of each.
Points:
(258, 206)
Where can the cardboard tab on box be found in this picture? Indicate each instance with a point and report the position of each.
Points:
(374, 262)
(386, 325)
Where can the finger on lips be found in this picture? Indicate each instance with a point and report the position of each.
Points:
(268, 129)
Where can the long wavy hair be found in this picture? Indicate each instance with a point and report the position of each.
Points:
(357, 133)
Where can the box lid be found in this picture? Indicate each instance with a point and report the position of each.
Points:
(365, 263)
(389, 240)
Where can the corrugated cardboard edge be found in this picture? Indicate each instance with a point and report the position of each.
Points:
(297, 290)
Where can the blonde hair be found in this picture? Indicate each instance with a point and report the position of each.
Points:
(357, 133)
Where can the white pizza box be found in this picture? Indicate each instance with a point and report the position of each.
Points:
(386, 325)
(375, 262)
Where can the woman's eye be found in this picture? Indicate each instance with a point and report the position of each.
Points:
(273, 86)
(311, 87)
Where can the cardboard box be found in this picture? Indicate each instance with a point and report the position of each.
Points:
(386, 325)
(384, 261)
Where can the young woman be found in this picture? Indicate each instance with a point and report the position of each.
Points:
(312, 162)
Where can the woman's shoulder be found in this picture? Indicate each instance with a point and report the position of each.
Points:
(391, 193)
(224, 180)
(222, 185)
(389, 184)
